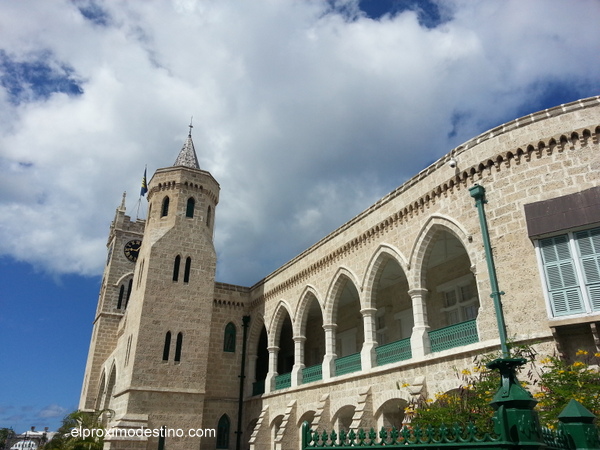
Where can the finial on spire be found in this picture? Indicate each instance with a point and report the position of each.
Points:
(191, 126)
(187, 156)
(122, 207)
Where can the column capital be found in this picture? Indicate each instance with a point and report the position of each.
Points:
(273, 349)
(299, 338)
(417, 291)
(329, 326)
(368, 311)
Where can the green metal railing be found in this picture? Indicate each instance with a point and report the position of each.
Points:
(283, 381)
(457, 335)
(393, 352)
(312, 373)
(348, 364)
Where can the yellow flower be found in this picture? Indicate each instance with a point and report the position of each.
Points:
(581, 352)
(545, 361)
(538, 395)
(578, 364)
(405, 385)
(466, 372)
(597, 355)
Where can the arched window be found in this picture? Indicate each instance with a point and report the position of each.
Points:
(186, 273)
(121, 295)
(176, 268)
(229, 339)
(189, 210)
(167, 347)
(208, 216)
(178, 345)
(223, 432)
(165, 207)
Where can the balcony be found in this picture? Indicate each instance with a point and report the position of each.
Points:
(348, 364)
(283, 381)
(393, 352)
(456, 335)
(312, 373)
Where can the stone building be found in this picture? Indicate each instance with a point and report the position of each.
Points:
(381, 309)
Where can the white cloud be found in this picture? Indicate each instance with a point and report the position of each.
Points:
(51, 411)
(305, 118)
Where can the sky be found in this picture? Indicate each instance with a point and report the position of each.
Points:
(305, 111)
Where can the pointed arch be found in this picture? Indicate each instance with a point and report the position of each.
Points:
(112, 379)
(178, 345)
(176, 265)
(300, 315)
(380, 257)
(223, 428)
(167, 346)
(229, 338)
(342, 275)
(101, 388)
(419, 251)
(189, 208)
(274, 328)
(164, 210)
(186, 272)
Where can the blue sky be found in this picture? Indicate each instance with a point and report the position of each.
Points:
(305, 112)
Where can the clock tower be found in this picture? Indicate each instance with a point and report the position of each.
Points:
(148, 361)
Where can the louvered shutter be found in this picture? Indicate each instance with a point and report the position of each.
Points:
(588, 243)
(561, 279)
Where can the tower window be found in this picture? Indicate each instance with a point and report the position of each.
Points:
(121, 295)
(189, 210)
(165, 207)
(229, 339)
(178, 345)
(186, 273)
(167, 347)
(176, 268)
(208, 216)
(129, 289)
(223, 432)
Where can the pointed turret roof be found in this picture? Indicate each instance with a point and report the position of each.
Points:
(187, 156)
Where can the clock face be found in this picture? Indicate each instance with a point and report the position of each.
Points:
(132, 249)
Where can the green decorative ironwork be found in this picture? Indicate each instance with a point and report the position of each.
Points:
(348, 364)
(393, 352)
(457, 335)
(258, 387)
(283, 381)
(312, 373)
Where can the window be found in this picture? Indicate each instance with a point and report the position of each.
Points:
(178, 345)
(223, 432)
(460, 300)
(167, 347)
(186, 273)
(176, 268)
(571, 271)
(121, 294)
(189, 210)
(165, 207)
(208, 216)
(129, 288)
(229, 339)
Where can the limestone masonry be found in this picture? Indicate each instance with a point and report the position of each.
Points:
(381, 310)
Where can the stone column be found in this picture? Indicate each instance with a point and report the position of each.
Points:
(270, 380)
(419, 340)
(251, 374)
(368, 356)
(298, 360)
(330, 355)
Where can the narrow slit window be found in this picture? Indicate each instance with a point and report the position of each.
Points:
(229, 338)
(208, 216)
(167, 347)
(176, 268)
(165, 207)
(189, 210)
(188, 266)
(121, 295)
(178, 345)
(129, 289)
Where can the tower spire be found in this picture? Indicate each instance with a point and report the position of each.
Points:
(187, 156)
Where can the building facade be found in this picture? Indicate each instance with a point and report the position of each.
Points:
(375, 313)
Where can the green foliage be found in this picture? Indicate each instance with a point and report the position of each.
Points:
(561, 381)
(5, 435)
(84, 420)
(554, 382)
